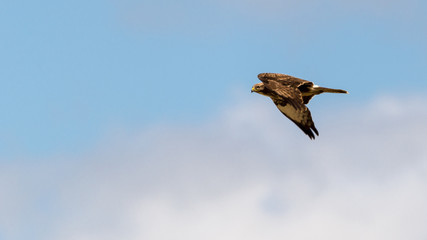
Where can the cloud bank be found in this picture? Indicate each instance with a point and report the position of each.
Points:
(245, 174)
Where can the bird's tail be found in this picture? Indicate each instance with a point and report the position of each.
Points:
(331, 90)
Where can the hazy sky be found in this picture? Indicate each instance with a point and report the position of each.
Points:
(133, 119)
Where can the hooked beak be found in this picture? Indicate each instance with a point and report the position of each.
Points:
(252, 90)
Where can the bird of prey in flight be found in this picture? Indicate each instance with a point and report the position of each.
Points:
(290, 94)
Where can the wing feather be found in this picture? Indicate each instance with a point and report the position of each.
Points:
(283, 79)
(290, 102)
(283, 90)
(285, 94)
(302, 118)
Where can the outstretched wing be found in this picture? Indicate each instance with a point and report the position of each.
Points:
(284, 79)
(302, 118)
(289, 101)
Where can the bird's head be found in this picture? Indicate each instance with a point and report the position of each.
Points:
(258, 88)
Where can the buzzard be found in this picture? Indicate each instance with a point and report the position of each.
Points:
(290, 94)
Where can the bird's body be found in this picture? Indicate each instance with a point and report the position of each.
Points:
(290, 94)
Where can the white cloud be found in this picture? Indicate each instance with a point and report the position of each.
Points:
(248, 174)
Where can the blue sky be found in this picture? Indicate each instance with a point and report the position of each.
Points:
(72, 70)
(147, 104)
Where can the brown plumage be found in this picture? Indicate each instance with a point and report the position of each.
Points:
(290, 94)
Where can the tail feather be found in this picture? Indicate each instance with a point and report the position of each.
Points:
(331, 90)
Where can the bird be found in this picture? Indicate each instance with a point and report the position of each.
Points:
(290, 95)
